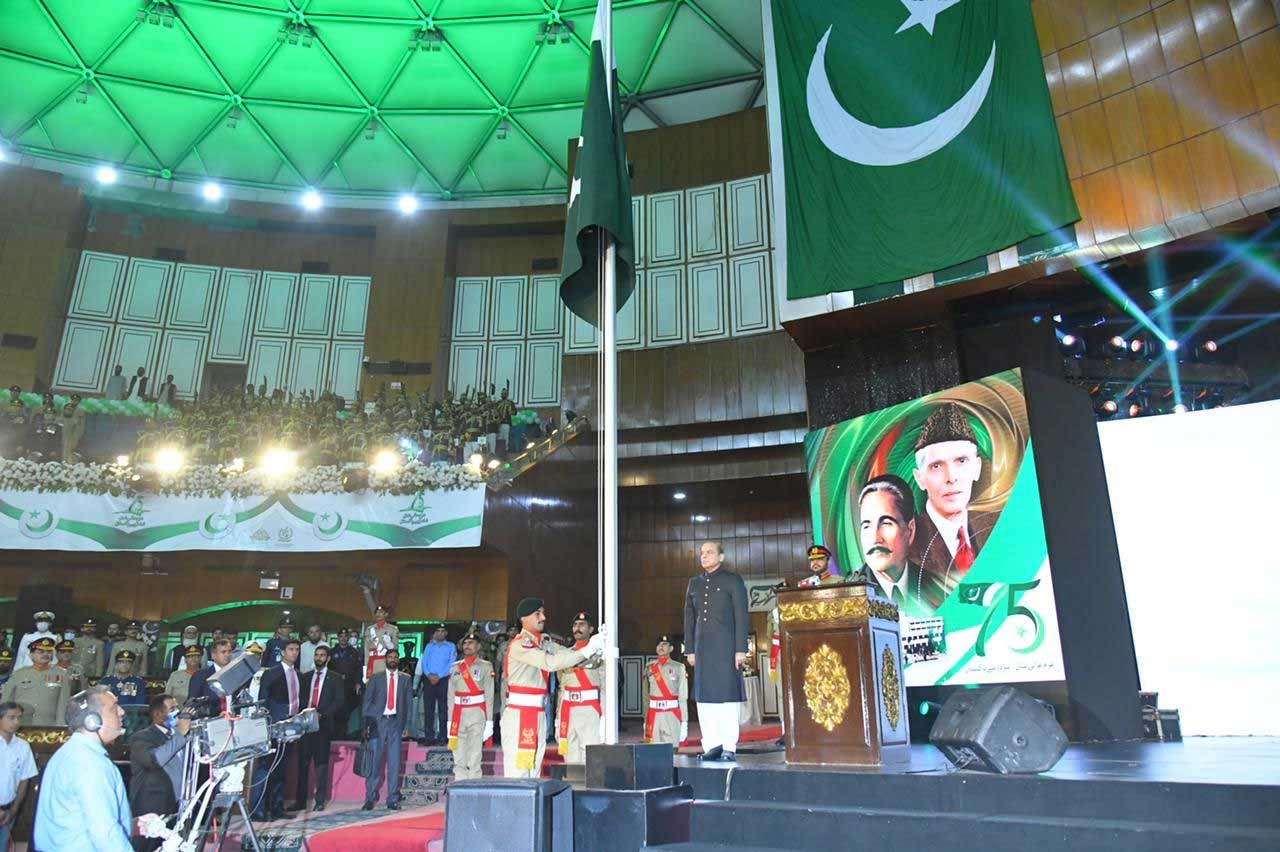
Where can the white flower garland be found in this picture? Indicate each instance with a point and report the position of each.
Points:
(215, 480)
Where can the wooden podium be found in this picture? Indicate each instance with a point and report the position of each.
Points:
(844, 701)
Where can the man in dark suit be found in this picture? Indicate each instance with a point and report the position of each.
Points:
(949, 536)
(219, 657)
(155, 761)
(715, 633)
(387, 697)
(324, 690)
(886, 527)
(281, 689)
(275, 645)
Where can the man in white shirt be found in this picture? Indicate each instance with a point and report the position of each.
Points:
(17, 768)
(307, 656)
(949, 537)
(44, 621)
(387, 696)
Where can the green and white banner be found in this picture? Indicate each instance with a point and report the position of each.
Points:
(33, 520)
(915, 134)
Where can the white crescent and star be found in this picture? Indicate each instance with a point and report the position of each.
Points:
(871, 145)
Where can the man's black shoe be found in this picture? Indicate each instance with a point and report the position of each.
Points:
(393, 806)
(319, 806)
(367, 806)
(727, 756)
(714, 754)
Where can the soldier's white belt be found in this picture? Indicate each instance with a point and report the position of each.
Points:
(664, 704)
(524, 699)
(579, 695)
(468, 700)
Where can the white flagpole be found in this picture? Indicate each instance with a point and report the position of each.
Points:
(609, 426)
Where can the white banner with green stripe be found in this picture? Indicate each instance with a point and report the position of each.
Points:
(33, 520)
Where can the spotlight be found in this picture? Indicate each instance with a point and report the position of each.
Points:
(211, 191)
(1179, 409)
(927, 707)
(237, 465)
(278, 462)
(122, 461)
(679, 495)
(1207, 350)
(1135, 409)
(1105, 406)
(1071, 344)
(1138, 347)
(1117, 347)
(700, 519)
(493, 464)
(407, 204)
(1171, 345)
(355, 479)
(311, 200)
(168, 461)
(476, 460)
(386, 462)
(106, 175)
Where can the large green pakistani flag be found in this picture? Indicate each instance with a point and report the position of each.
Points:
(917, 134)
(599, 195)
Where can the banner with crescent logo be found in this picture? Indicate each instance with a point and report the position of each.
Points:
(32, 520)
(915, 135)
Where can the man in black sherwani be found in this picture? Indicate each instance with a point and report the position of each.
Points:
(715, 636)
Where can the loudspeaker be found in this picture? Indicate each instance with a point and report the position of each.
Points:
(1000, 729)
(509, 815)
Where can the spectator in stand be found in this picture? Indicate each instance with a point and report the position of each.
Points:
(178, 655)
(315, 638)
(179, 683)
(116, 384)
(17, 768)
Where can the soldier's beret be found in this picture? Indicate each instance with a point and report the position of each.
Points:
(528, 606)
(6, 655)
(582, 616)
(664, 638)
(285, 622)
(472, 637)
(133, 625)
(89, 622)
(66, 645)
(945, 423)
(817, 551)
(127, 656)
(192, 650)
(44, 643)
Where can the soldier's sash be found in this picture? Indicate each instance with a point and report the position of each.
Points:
(455, 715)
(527, 702)
(566, 707)
(670, 704)
(775, 651)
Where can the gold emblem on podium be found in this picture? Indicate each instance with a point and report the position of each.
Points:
(889, 687)
(824, 610)
(826, 687)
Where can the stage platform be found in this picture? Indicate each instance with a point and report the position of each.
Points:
(1203, 794)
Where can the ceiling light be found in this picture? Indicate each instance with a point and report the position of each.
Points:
(407, 204)
(106, 175)
(311, 200)
(211, 191)
(1117, 346)
(679, 495)
(700, 519)
(1171, 345)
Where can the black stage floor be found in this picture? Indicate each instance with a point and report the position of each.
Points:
(1196, 760)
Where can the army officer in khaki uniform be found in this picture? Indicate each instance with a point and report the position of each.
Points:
(527, 666)
(579, 713)
(90, 654)
(41, 688)
(666, 718)
(470, 701)
(134, 645)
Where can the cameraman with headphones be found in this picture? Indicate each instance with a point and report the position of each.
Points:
(82, 804)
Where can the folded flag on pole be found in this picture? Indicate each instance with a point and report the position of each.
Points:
(916, 135)
(600, 192)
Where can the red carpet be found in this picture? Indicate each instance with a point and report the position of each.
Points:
(762, 734)
(407, 834)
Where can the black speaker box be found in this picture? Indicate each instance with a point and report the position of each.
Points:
(509, 815)
(1000, 729)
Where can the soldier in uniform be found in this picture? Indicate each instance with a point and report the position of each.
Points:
(179, 683)
(580, 715)
(6, 665)
(134, 645)
(667, 685)
(500, 654)
(89, 654)
(526, 667)
(65, 651)
(379, 637)
(44, 621)
(275, 645)
(471, 682)
(128, 687)
(819, 563)
(41, 688)
(715, 632)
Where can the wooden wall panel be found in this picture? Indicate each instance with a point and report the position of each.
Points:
(1162, 109)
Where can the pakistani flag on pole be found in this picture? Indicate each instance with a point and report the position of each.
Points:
(916, 134)
(599, 195)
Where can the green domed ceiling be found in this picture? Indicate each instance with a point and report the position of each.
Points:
(356, 98)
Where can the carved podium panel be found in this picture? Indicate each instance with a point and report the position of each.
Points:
(843, 695)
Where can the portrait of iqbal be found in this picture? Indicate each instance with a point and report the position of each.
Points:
(887, 526)
(948, 534)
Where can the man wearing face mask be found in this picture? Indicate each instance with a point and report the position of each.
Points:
(44, 621)
(155, 758)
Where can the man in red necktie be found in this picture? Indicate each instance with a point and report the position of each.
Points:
(949, 537)
(387, 696)
(324, 689)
